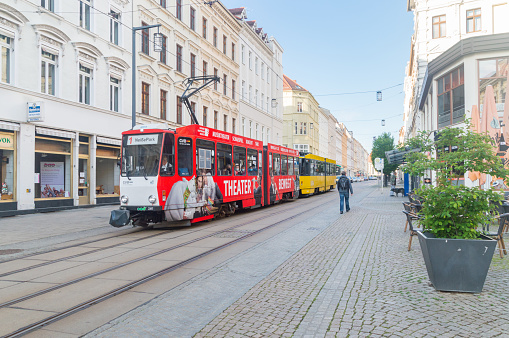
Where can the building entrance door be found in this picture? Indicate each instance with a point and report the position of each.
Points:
(83, 182)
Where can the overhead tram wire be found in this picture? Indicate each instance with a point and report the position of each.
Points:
(99, 12)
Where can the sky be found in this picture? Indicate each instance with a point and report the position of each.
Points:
(338, 47)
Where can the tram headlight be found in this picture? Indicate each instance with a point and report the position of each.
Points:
(124, 199)
(152, 199)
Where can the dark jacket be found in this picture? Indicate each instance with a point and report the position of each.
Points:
(348, 185)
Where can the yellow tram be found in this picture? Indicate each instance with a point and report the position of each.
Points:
(317, 174)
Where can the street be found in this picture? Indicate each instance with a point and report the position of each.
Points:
(295, 269)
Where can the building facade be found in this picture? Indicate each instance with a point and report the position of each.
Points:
(65, 90)
(261, 82)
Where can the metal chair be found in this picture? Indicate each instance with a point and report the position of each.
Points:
(503, 220)
(411, 217)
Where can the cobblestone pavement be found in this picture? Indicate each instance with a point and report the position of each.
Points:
(354, 278)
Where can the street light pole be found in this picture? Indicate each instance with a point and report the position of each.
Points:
(133, 88)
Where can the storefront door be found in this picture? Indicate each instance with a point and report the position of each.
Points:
(83, 182)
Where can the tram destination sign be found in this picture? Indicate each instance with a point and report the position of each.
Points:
(142, 139)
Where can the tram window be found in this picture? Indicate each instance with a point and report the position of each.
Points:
(296, 166)
(205, 155)
(260, 163)
(239, 158)
(252, 161)
(271, 172)
(306, 165)
(276, 164)
(168, 156)
(185, 156)
(313, 170)
(224, 159)
(290, 165)
(319, 168)
(284, 165)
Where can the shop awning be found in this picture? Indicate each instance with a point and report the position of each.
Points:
(111, 141)
(9, 126)
(54, 132)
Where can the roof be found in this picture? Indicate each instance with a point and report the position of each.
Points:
(239, 13)
(289, 84)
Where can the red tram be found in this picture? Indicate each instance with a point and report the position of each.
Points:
(194, 173)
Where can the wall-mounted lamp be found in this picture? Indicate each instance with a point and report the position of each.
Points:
(158, 42)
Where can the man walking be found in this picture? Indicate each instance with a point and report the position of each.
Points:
(345, 189)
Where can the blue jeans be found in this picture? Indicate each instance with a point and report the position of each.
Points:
(344, 197)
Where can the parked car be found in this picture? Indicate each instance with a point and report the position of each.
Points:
(372, 177)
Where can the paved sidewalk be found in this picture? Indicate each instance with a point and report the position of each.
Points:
(354, 278)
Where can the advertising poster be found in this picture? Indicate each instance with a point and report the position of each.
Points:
(52, 179)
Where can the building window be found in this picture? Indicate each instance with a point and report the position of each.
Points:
(215, 82)
(179, 58)
(164, 95)
(438, 26)
(262, 101)
(85, 14)
(299, 107)
(303, 128)
(263, 133)
(205, 64)
(243, 90)
(224, 83)
(451, 98)
(250, 129)
(225, 122)
(179, 110)
(474, 20)
(144, 39)
(162, 56)
(145, 98)
(114, 26)
(250, 93)
(263, 71)
(192, 14)
(179, 9)
(85, 84)
(250, 61)
(48, 72)
(233, 89)
(494, 73)
(114, 93)
(214, 37)
(163, 3)
(205, 109)
(233, 51)
(48, 4)
(193, 108)
(233, 125)
(256, 98)
(193, 65)
(256, 65)
(296, 127)
(256, 130)
(216, 113)
(267, 74)
(243, 54)
(224, 44)
(5, 59)
(204, 28)
(268, 135)
(243, 126)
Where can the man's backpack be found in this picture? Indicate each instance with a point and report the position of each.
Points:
(343, 183)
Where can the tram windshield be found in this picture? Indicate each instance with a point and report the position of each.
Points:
(140, 155)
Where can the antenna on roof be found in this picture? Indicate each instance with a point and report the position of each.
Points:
(210, 3)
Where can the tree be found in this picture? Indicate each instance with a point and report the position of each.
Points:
(381, 144)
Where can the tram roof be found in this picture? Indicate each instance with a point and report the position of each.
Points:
(319, 158)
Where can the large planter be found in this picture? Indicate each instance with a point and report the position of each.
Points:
(457, 264)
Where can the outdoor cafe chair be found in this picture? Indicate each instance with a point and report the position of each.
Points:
(412, 209)
(413, 232)
(499, 235)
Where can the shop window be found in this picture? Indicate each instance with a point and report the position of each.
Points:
(107, 169)
(224, 159)
(276, 164)
(205, 155)
(494, 73)
(185, 156)
(168, 157)
(52, 167)
(239, 158)
(451, 98)
(252, 161)
(7, 166)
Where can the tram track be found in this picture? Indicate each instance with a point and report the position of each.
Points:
(26, 329)
(199, 227)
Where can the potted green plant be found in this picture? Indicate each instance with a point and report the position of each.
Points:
(456, 254)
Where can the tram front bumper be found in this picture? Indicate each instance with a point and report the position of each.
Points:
(120, 218)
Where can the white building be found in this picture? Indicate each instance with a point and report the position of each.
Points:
(261, 82)
(439, 27)
(67, 63)
(323, 132)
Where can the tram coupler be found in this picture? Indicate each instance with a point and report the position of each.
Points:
(120, 218)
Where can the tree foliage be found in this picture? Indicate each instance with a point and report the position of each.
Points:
(381, 144)
(452, 210)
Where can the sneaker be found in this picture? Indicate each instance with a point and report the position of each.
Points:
(347, 210)
(341, 212)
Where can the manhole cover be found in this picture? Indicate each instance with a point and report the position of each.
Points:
(233, 234)
(9, 251)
